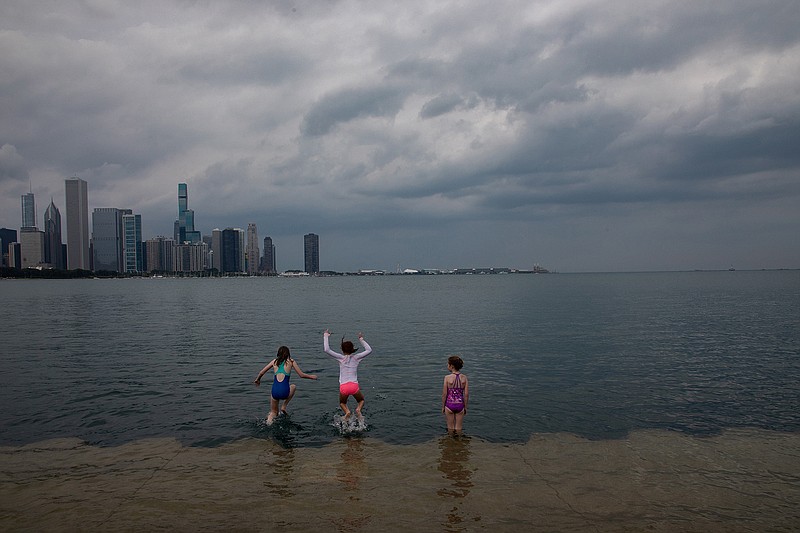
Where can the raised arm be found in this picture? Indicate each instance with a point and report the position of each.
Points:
(365, 345)
(301, 373)
(327, 348)
(264, 371)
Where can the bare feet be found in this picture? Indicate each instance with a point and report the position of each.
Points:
(270, 419)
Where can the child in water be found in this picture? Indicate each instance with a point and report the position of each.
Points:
(348, 371)
(455, 395)
(281, 389)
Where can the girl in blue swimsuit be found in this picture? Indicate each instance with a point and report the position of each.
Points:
(455, 395)
(281, 389)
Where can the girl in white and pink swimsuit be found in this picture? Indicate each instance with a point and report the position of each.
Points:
(348, 371)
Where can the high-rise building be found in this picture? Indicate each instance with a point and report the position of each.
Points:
(268, 261)
(232, 250)
(216, 249)
(251, 250)
(160, 254)
(28, 210)
(190, 257)
(132, 242)
(108, 238)
(53, 247)
(311, 253)
(184, 226)
(31, 242)
(77, 223)
(7, 236)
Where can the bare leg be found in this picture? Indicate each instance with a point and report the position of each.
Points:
(459, 421)
(273, 410)
(359, 396)
(292, 388)
(450, 417)
(343, 404)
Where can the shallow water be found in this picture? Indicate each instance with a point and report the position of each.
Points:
(597, 355)
(655, 480)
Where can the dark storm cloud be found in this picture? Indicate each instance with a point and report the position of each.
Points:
(444, 103)
(347, 104)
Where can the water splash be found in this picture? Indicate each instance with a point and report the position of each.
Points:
(349, 426)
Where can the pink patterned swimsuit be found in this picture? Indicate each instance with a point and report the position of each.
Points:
(455, 396)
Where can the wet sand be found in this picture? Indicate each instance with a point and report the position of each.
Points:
(741, 480)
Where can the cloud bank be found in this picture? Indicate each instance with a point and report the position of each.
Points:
(582, 135)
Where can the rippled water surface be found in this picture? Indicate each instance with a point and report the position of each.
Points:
(599, 355)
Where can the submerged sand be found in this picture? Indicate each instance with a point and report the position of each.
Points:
(742, 480)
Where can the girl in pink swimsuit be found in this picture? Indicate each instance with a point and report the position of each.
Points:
(348, 371)
(455, 395)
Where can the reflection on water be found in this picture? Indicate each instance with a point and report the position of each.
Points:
(349, 472)
(351, 469)
(454, 464)
(282, 463)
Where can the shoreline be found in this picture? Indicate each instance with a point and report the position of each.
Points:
(739, 480)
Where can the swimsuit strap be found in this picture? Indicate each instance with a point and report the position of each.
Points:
(281, 368)
(457, 382)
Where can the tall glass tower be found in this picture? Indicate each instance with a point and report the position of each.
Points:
(28, 211)
(311, 253)
(132, 242)
(184, 226)
(52, 237)
(268, 263)
(107, 235)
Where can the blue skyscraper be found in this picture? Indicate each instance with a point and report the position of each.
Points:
(184, 226)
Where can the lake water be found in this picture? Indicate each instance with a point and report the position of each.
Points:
(595, 355)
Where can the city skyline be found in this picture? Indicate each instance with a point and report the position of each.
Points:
(580, 135)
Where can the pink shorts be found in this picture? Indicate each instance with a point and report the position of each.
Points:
(349, 388)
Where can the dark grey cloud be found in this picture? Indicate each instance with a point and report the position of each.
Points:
(348, 104)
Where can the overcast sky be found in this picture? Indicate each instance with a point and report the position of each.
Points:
(609, 135)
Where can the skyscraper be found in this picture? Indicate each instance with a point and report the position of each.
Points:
(160, 254)
(31, 247)
(7, 236)
(52, 237)
(252, 251)
(184, 226)
(311, 253)
(132, 242)
(28, 210)
(216, 249)
(232, 253)
(77, 223)
(268, 262)
(107, 238)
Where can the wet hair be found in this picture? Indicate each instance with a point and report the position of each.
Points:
(455, 361)
(347, 347)
(283, 355)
